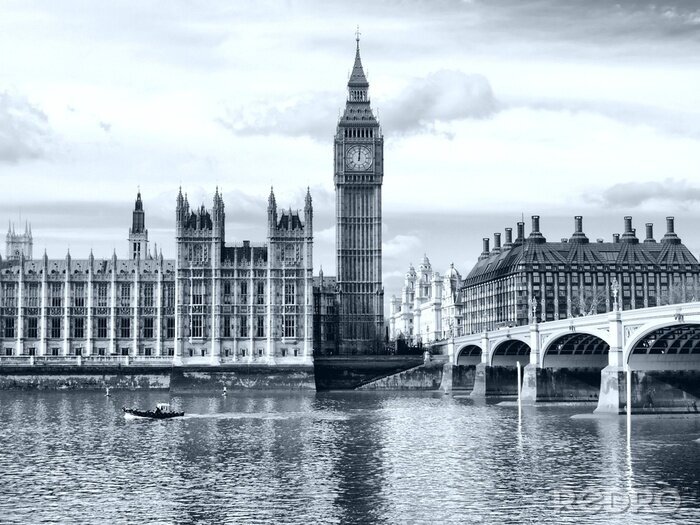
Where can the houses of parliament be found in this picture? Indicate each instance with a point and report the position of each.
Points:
(216, 302)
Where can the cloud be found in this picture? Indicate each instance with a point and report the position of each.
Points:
(308, 116)
(662, 119)
(24, 130)
(632, 194)
(442, 96)
(400, 246)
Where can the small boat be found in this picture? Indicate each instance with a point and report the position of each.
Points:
(162, 411)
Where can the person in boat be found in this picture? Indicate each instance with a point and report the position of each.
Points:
(157, 410)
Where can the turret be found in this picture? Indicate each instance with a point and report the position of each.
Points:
(138, 234)
(271, 212)
(218, 215)
(308, 212)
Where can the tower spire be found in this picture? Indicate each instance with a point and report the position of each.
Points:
(138, 234)
(357, 77)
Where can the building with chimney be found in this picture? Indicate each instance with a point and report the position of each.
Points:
(529, 278)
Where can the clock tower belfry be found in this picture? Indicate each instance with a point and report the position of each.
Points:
(358, 174)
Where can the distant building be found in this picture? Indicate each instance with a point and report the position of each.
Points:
(531, 278)
(429, 308)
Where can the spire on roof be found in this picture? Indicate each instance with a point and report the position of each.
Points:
(139, 204)
(307, 200)
(357, 77)
(271, 202)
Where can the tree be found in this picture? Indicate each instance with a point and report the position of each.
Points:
(677, 293)
(589, 303)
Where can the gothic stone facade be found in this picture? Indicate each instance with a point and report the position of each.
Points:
(359, 170)
(530, 278)
(243, 302)
(214, 303)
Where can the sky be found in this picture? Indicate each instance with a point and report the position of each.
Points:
(491, 111)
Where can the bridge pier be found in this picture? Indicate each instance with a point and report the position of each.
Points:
(559, 384)
(528, 391)
(612, 378)
(494, 381)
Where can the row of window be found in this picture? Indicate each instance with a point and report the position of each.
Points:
(197, 327)
(78, 327)
(78, 294)
(124, 325)
(54, 351)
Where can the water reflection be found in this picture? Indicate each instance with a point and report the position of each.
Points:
(332, 458)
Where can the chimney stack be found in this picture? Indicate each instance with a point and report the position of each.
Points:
(509, 237)
(628, 224)
(536, 236)
(485, 250)
(616, 238)
(670, 232)
(650, 232)
(578, 235)
(630, 234)
(521, 233)
(497, 242)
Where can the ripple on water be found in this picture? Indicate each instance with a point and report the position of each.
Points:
(70, 457)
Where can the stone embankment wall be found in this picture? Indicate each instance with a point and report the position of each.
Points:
(350, 372)
(427, 376)
(261, 377)
(176, 379)
(67, 377)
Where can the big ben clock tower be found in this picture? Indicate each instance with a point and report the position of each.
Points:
(359, 170)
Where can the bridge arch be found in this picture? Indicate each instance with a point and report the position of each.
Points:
(469, 355)
(575, 349)
(507, 352)
(664, 346)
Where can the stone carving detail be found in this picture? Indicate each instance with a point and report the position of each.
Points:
(629, 330)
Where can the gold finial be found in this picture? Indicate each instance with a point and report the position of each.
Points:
(357, 36)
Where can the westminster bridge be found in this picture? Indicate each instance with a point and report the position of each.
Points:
(586, 359)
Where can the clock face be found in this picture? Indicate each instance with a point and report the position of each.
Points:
(358, 158)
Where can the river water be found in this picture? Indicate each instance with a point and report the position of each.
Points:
(70, 457)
